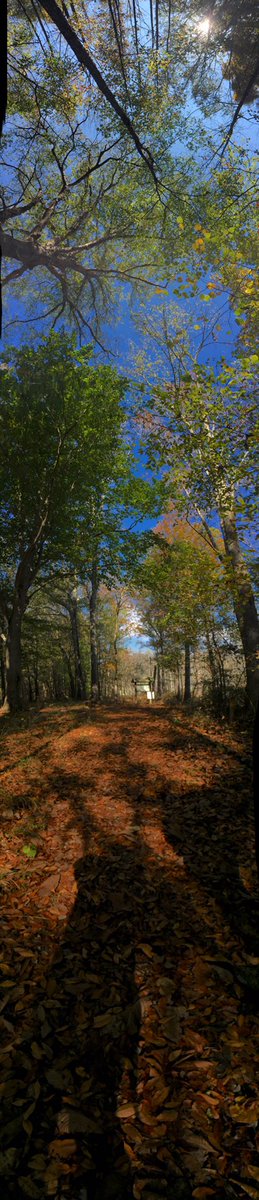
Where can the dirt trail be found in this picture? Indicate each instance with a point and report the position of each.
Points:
(130, 969)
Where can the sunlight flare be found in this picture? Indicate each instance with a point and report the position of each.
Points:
(204, 27)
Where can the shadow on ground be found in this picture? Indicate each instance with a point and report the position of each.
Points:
(105, 1045)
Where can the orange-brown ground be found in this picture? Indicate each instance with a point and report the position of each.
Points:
(130, 963)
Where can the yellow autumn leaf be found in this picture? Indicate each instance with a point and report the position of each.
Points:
(245, 1113)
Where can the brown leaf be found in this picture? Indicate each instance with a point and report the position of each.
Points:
(126, 1110)
(146, 1116)
(169, 1115)
(158, 1091)
(50, 885)
(194, 1039)
(132, 1133)
(63, 1147)
(201, 1193)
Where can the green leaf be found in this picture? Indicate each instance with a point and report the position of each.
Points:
(29, 851)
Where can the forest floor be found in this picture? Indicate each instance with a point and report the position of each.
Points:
(130, 965)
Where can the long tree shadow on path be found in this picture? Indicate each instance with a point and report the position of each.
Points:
(111, 1057)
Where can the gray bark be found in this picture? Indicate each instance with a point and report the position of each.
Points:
(115, 646)
(13, 658)
(159, 682)
(95, 682)
(79, 674)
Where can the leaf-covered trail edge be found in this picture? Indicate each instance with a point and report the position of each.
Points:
(130, 957)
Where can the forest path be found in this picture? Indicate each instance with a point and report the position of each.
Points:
(130, 973)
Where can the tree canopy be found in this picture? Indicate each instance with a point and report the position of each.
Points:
(96, 192)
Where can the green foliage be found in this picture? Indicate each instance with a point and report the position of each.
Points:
(68, 491)
(182, 586)
(61, 449)
(201, 429)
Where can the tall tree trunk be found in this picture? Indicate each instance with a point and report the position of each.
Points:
(220, 669)
(36, 680)
(187, 673)
(95, 683)
(115, 648)
(2, 671)
(13, 658)
(79, 674)
(115, 645)
(70, 674)
(216, 668)
(25, 575)
(30, 691)
(244, 604)
(212, 664)
(57, 687)
(162, 669)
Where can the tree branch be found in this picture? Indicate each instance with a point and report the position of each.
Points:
(85, 59)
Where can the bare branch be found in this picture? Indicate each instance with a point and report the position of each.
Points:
(253, 79)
